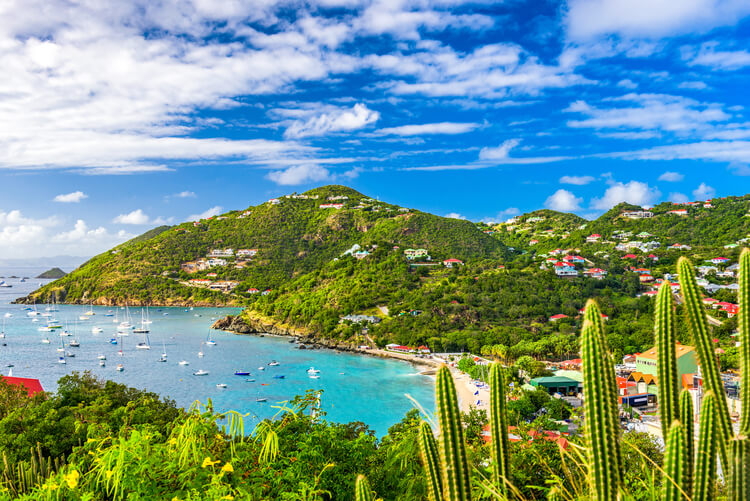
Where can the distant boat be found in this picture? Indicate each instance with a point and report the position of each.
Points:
(74, 344)
(200, 372)
(96, 330)
(102, 357)
(200, 353)
(312, 370)
(61, 360)
(102, 363)
(3, 284)
(261, 368)
(163, 357)
(142, 329)
(184, 362)
(45, 341)
(221, 385)
(210, 341)
(261, 399)
(113, 340)
(70, 354)
(120, 368)
(279, 376)
(241, 373)
(314, 376)
(2, 332)
(274, 364)
(250, 380)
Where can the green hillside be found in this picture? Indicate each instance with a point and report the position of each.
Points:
(293, 236)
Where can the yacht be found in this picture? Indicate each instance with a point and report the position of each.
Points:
(200, 372)
(120, 367)
(102, 357)
(96, 330)
(273, 364)
(221, 385)
(312, 370)
(184, 362)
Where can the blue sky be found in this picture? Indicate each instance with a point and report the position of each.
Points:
(118, 117)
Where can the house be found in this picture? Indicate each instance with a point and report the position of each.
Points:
(565, 271)
(200, 281)
(221, 253)
(274, 201)
(423, 349)
(582, 311)
(595, 237)
(450, 263)
(338, 197)
(629, 256)
(412, 254)
(265, 292)
(216, 262)
(708, 301)
(595, 273)
(687, 362)
(399, 348)
(679, 247)
(643, 234)
(252, 291)
(223, 285)
(246, 252)
(557, 384)
(645, 279)
(331, 206)
(211, 275)
(556, 252)
(679, 212)
(533, 242)
(32, 386)
(360, 254)
(653, 257)
(719, 260)
(650, 293)
(574, 259)
(194, 266)
(642, 383)
(559, 316)
(638, 214)
(357, 319)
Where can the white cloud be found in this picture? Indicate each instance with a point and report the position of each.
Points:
(563, 201)
(577, 180)
(708, 55)
(73, 197)
(185, 194)
(23, 237)
(426, 129)
(704, 192)
(455, 215)
(213, 211)
(501, 152)
(299, 174)
(633, 192)
(715, 151)
(337, 120)
(502, 215)
(627, 84)
(671, 177)
(678, 197)
(693, 85)
(586, 19)
(136, 217)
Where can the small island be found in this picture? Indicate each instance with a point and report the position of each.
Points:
(54, 273)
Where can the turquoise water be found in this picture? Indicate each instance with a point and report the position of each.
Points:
(355, 387)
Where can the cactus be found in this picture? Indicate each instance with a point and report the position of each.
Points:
(743, 323)
(499, 447)
(675, 463)
(599, 409)
(739, 487)
(429, 451)
(362, 489)
(455, 466)
(701, 339)
(687, 419)
(704, 485)
(666, 366)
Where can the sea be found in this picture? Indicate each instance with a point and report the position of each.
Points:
(354, 387)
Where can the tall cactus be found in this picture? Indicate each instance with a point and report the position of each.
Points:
(704, 485)
(599, 409)
(702, 340)
(687, 419)
(743, 323)
(362, 489)
(500, 446)
(455, 466)
(739, 486)
(666, 366)
(428, 449)
(675, 464)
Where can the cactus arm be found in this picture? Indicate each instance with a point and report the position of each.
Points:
(701, 339)
(743, 323)
(362, 489)
(687, 419)
(739, 476)
(675, 463)
(599, 410)
(704, 485)
(428, 449)
(666, 366)
(455, 466)
(499, 446)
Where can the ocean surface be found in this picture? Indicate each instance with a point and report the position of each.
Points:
(355, 387)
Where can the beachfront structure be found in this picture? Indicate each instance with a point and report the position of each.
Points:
(556, 384)
(399, 348)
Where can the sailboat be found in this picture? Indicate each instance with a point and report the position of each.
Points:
(142, 329)
(61, 348)
(2, 332)
(163, 357)
(200, 353)
(145, 344)
(96, 330)
(200, 372)
(209, 340)
(148, 318)
(90, 313)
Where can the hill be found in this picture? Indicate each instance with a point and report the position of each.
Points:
(280, 240)
(54, 273)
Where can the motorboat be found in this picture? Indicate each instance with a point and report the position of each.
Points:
(241, 373)
(312, 370)
(279, 376)
(221, 385)
(102, 363)
(314, 376)
(102, 357)
(96, 330)
(274, 364)
(200, 372)
(61, 360)
(74, 344)
(120, 367)
(261, 399)
(184, 362)
(261, 368)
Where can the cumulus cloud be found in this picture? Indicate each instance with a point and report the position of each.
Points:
(299, 174)
(455, 215)
(704, 191)
(213, 211)
(135, 217)
(563, 201)
(337, 120)
(671, 177)
(577, 180)
(73, 197)
(499, 152)
(185, 194)
(709, 55)
(632, 192)
(427, 129)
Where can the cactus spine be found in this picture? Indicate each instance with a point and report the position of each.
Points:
(362, 489)
(428, 449)
(702, 341)
(743, 323)
(455, 466)
(599, 409)
(687, 419)
(739, 488)
(704, 486)
(666, 366)
(500, 446)
(675, 463)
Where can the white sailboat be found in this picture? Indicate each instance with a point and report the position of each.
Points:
(163, 357)
(2, 332)
(96, 330)
(142, 329)
(209, 340)
(200, 353)
(147, 321)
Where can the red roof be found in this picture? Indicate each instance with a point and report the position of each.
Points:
(629, 256)
(558, 316)
(595, 235)
(453, 260)
(32, 386)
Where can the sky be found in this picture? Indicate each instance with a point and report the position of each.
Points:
(116, 117)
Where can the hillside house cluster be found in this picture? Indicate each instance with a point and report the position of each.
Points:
(218, 257)
(219, 285)
(359, 319)
(331, 206)
(638, 214)
(412, 254)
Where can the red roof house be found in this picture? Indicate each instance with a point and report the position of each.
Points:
(32, 386)
(557, 317)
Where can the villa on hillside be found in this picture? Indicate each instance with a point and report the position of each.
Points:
(357, 319)
(638, 214)
(559, 316)
(416, 254)
(331, 206)
(221, 253)
(593, 238)
(449, 263)
(679, 212)
(246, 252)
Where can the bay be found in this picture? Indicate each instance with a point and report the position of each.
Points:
(355, 387)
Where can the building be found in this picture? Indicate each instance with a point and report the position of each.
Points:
(638, 214)
(356, 319)
(253, 291)
(416, 254)
(719, 260)
(399, 348)
(331, 206)
(450, 263)
(559, 316)
(595, 237)
(360, 254)
(32, 386)
(216, 262)
(221, 253)
(687, 362)
(565, 271)
(246, 252)
(679, 212)
(557, 384)
(274, 201)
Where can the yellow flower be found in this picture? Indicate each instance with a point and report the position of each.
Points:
(173, 441)
(72, 479)
(229, 497)
(175, 498)
(227, 468)
(207, 462)
(109, 474)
